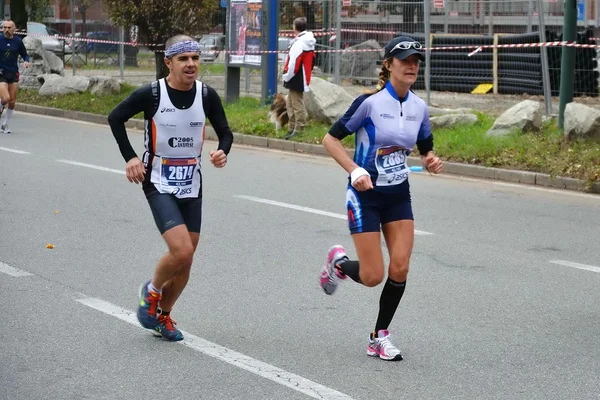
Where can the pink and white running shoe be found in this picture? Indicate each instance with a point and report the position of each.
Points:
(331, 276)
(382, 347)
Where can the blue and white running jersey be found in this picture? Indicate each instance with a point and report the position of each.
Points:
(386, 130)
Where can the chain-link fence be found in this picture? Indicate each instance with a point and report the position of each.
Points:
(483, 46)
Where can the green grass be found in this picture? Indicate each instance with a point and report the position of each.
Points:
(85, 102)
(545, 151)
(212, 68)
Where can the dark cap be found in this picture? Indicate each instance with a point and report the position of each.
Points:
(402, 47)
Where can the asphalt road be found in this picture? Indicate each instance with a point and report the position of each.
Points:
(502, 300)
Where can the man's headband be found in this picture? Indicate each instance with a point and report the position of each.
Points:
(188, 46)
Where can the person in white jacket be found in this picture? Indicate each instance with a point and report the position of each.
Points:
(296, 76)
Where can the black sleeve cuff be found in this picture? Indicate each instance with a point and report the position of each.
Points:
(425, 145)
(339, 131)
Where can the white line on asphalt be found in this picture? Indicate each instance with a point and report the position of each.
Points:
(307, 209)
(92, 166)
(229, 356)
(12, 271)
(14, 151)
(576, 265)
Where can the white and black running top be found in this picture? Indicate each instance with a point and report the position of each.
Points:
(174, 134)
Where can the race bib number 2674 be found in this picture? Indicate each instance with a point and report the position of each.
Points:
(178, 171)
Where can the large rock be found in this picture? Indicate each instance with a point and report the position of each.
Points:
(29, 82)
(326, 102)
(434, 111)
(39, 63)
(56, 84)
(452, 119)
(103, 85)
(55, 64)
(361, 63)
(581, 122)
(524, 116)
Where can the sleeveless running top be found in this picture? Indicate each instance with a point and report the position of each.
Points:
(173, 145)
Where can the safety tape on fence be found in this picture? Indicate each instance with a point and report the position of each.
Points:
(85, 39)
(332, 32)
(477, 48)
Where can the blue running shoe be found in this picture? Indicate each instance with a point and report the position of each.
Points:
(148, 307)
(166, 328)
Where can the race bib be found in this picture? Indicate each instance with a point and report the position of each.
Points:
(391, 165)
(177, 176)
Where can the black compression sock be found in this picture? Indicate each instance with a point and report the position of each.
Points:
(350, 268)
(388, 303)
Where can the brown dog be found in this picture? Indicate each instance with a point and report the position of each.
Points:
(278, 112)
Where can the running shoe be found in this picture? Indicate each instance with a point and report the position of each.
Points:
(330, 275)
(148, 307)
(382, 347)
(5, 129)
(167, 329)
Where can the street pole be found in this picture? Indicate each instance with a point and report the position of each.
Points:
(338, 40)
(427, 22)
(269, 61)
(73, 36)
(530, 16)
(544, 53)
(326, 28)
(567, 72)
(121, 53)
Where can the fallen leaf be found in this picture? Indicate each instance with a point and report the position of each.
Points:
(49, 246)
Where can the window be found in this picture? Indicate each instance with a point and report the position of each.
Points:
(38, 29)
(50, 12)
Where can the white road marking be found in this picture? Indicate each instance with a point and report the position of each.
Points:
(12, 271)
(229, 356)
(14, 151)
(309, 210)
(92, 166)
(576, 265)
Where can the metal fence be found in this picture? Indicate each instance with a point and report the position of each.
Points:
(473, 44)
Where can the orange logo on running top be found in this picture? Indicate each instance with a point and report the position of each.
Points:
(382, 151)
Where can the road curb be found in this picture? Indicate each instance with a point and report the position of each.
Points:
(475, 171)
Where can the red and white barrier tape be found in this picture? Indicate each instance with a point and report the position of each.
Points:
(332, 32)
(478, 48)
(86, 39)
(315, 33)
(518, 45)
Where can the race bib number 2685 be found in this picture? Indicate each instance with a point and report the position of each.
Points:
(391, 165)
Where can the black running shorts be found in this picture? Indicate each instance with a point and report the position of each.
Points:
(369, 210)
(9, 77)
(169, 211)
